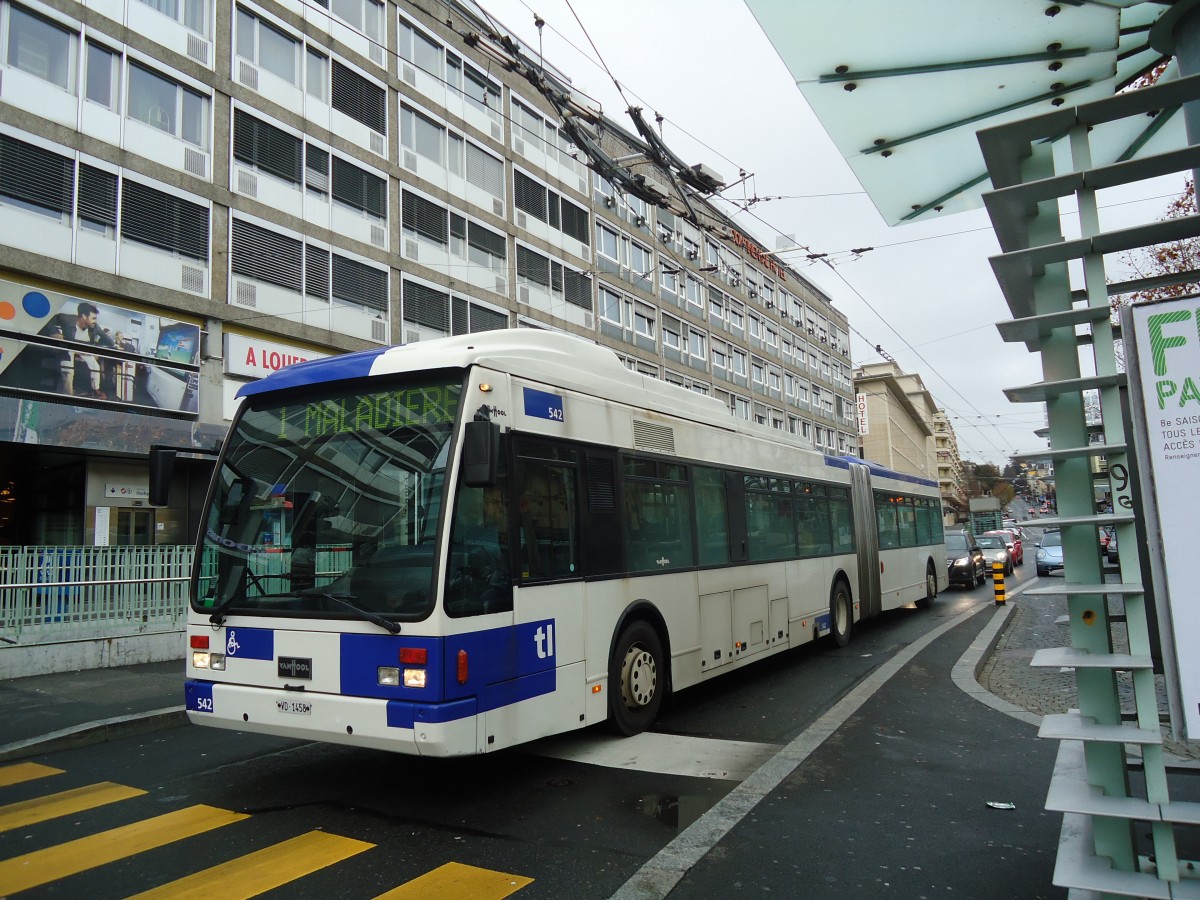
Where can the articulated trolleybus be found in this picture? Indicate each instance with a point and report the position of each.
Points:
(460, 545)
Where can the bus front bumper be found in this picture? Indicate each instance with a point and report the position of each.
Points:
(397, 726)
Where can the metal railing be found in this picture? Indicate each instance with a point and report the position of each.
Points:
(57, 593)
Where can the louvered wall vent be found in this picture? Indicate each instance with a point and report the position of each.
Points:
(197, 48)
(648, 436)
(195, 162)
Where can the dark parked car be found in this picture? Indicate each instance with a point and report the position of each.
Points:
(1110, 550)
(964, 559)
(1050, 553)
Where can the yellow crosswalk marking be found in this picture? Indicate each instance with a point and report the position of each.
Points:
(455, 880)
(42, 809)
(43, 866)
(263, 870)
(15, 774)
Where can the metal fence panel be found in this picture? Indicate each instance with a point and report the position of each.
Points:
(55, 593)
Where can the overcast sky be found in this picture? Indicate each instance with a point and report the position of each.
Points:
(925, 293)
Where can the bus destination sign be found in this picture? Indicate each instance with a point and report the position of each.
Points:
(375, 411)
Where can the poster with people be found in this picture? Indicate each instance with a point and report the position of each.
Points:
(53, 343)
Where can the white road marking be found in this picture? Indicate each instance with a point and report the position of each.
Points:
(667, 754)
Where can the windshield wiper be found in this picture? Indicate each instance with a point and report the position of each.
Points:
(218, 615)
(344, 600)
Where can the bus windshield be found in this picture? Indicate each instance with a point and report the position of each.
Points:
(328, 504)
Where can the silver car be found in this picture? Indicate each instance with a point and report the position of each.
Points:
(1050, 553)
(995, 550)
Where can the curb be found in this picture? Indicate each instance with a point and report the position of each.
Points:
(967, 668)
(96, 733)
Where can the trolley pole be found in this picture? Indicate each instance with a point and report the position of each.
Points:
(998, 582)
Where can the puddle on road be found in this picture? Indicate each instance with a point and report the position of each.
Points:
(674, 812)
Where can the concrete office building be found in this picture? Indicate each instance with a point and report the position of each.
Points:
(194, 193)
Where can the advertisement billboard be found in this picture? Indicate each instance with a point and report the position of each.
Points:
(52, 343)
(1163, 359)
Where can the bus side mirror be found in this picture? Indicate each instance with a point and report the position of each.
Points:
(162, 467)
(481, 453)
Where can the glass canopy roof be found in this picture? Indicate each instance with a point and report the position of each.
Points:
(903, 98)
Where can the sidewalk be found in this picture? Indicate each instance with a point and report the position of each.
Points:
(46, 713)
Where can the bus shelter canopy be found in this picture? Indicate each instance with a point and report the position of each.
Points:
(902, 88)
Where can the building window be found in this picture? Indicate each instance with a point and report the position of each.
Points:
(191, 13)
(643, 320)
(168, 106)
(720, 357)
(316, 272)
(262, 145)
(360, 284)
(697, 344)
(359, 189)
(419, 50)
(480, 91)
(532, 267)
(103, 72)
(737, 314)
(427, 307)
(266, 255)
(422, 135)
(162, 220)
(485, 171)
(739, 362)
(424, 218)
(40, 47)
(364, 16)
(268, 47)
(612, 306)
(316, 74)
(359, 98)
(529, 196)
(97, 203)
(607, 243)
(35, 179)
(672, 333)
(641, 263)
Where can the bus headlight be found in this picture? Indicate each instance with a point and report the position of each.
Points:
(389, 676)
(217, 662)
(200, 659)
(414, 678)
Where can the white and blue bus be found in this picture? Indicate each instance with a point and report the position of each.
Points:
(461, 545)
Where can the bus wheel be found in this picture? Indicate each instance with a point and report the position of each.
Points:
(841, 613)
(930, 588)
(636, 680)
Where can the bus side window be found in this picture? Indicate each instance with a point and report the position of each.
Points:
(712, 517)
(907, 515)
(842, 520)
(547, 520)
(885, 515)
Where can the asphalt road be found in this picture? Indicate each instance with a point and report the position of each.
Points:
(823, 770)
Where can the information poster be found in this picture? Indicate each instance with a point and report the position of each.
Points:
(1167, 367)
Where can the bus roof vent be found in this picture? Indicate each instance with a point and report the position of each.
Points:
(648, 436)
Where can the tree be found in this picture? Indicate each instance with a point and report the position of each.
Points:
(1180, 257)
(1004, 492)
